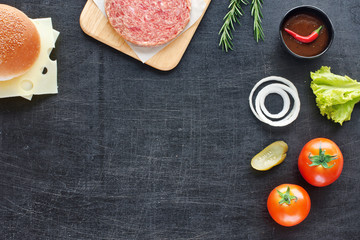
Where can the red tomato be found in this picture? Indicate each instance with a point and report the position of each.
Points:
(320, 162)
(288, 204)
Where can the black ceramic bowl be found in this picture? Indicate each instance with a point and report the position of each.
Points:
(312, 10)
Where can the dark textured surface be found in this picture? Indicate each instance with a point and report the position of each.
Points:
(127, 152)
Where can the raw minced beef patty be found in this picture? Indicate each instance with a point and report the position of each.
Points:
(148, 22)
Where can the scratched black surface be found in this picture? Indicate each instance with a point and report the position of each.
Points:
(127, 152)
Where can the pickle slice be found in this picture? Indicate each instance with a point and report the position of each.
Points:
(272, 155)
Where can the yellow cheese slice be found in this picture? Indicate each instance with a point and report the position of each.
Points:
(34, 82)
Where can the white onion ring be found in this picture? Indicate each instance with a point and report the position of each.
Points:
(284, 90)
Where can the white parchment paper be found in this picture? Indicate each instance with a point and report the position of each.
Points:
(145, 53)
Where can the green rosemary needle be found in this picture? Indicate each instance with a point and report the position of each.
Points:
(256, 6)
(233, 15)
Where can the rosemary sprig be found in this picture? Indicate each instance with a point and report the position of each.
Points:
(256, 6)
(230, 18)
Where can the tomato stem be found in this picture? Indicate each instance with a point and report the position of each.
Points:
(322, 159)
(286, 197)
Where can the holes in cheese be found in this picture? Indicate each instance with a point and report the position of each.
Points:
(27, 85)
(35, 81)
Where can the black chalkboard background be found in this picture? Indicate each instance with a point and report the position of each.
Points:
(128, 152)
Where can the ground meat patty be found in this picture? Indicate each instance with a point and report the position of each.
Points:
(148, 22)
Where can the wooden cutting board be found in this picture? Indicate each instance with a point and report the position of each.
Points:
(96, 25)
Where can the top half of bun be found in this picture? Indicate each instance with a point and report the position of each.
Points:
(19, 43)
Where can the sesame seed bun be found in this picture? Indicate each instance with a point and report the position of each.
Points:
(19, 43)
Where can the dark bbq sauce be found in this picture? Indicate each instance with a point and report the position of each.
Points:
(304, 24)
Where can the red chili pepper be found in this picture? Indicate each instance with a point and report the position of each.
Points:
(305, 39)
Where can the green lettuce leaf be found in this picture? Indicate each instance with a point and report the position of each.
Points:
(336, 95)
